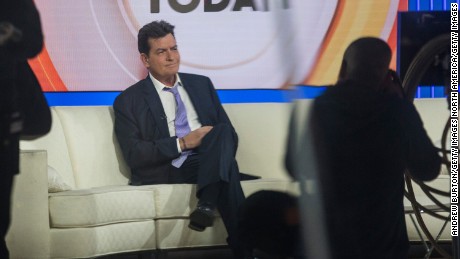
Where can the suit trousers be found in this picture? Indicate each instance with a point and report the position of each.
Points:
(213, 163)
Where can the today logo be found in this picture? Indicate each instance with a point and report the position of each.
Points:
(242, 43)
(220, 5)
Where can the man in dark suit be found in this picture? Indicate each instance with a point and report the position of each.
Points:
(24, 111)
(172, 129)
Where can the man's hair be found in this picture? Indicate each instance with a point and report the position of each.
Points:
(155, 30)
(367, 60)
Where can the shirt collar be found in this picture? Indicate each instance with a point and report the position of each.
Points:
(159, 85)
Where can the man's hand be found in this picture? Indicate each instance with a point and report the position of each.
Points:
(193, 139)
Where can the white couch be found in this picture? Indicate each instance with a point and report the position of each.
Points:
(93, 211)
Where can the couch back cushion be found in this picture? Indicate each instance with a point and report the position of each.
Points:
(55, 143)
(262, 131)
(83, 149)
(435, 114)
(94, 152)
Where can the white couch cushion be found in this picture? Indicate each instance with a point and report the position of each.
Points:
(174, 233)
(250, 187)
(55, 181)
(262, 129)
(93, 149)
(179, 200)
(174, 200)
(55, 144)
(100, 206)
(434, 114)
(102, 240)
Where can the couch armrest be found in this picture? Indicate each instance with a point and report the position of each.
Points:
(29, 234)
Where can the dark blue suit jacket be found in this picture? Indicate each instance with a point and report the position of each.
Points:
(142, 131)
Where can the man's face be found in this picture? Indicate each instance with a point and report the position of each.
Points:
(163, 59)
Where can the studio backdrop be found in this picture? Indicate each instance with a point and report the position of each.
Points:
(91, 45)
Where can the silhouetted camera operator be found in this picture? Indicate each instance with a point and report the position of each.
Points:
(24, 111)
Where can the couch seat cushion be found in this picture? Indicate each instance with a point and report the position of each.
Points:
(174, 200)
(281, 185)
(101, 206)
(179, 200)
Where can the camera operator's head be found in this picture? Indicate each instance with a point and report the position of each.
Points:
(367, 61)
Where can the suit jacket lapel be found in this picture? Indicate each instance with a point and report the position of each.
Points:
(194, 96)
(154, 102)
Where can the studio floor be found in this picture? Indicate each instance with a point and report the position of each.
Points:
(417, 251)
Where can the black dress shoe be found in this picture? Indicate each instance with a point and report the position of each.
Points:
(202, 217)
